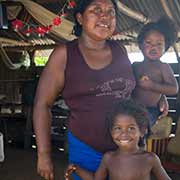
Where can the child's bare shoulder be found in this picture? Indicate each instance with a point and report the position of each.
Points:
(136, 63)
(109, 154)
(136, 66)
(165, 65)
(151, 157)
(166, 68)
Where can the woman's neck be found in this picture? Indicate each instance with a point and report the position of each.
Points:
(91, 44)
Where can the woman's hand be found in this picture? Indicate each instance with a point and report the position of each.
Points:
(163, 106)
(45, 166)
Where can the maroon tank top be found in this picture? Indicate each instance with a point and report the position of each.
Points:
(90, 93)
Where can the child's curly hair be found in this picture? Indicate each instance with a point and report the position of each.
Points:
(130, 108)
(165, 26)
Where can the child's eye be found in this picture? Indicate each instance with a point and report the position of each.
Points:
(117, 128)
(131, 129)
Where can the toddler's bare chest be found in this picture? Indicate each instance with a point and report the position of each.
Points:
(153, 72)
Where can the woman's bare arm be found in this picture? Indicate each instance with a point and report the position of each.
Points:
(50, 84)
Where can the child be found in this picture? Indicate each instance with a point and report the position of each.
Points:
(127, 123)
(153, 77)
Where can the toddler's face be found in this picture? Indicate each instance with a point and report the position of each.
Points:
(125, 132)
(153, 46)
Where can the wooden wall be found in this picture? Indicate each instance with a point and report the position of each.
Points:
(13, 81)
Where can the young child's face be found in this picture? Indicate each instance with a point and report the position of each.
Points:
(153, 46)
(125, 132)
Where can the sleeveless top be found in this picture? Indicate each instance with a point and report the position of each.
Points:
(90, 94)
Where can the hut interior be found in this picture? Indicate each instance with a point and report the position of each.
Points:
(28, 27)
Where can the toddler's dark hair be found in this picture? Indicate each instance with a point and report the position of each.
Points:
(80, 8)
(130, 108)
(165, 26)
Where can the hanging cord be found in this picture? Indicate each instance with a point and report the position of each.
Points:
(131, 13)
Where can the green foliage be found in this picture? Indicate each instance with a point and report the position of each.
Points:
(40, 61)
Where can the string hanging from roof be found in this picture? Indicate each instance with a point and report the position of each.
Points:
(27, 29)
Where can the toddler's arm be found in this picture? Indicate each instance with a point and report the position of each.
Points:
(169, 85)
(163, 106)
(170, 82)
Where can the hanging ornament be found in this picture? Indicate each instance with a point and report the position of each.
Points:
(71, 4)
(17, 25)
(28, 31)
(40, 30)
(63, 15)
(48, 28)
(57, 21)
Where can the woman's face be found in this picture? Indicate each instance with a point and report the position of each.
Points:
(153, 46)
(98, 20)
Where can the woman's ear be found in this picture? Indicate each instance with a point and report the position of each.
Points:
(79, 18)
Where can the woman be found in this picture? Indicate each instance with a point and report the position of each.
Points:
(91, 73)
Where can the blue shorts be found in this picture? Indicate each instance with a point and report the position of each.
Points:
(153, 115)
(82, 155)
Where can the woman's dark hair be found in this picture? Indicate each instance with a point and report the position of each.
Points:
(165, 26)
(80, 8)
(130, 108)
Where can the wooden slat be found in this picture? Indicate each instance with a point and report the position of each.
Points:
(172, 103)
(175, 67)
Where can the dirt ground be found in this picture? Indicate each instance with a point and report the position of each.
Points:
(20, 164)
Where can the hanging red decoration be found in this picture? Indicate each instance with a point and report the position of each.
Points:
(57, 21)
(27, 29)
(17, 24)
(48, 28)
(40, 30)
(71, 4)
(63, 15)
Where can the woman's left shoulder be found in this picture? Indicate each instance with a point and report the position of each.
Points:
(118, 44)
